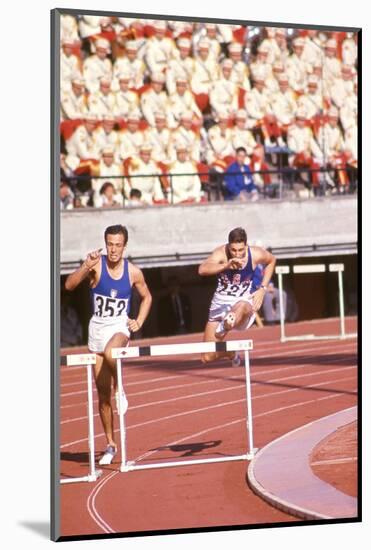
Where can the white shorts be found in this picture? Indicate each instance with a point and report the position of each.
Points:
(219, 309)
(100, 333)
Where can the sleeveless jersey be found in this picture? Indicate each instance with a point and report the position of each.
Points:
(111, 297)
(235, 283)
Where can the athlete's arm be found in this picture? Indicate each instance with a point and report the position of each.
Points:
(216, 263)
(261, 256)
(138, 281)
(87, 268)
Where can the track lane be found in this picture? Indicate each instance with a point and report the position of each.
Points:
(226, 422)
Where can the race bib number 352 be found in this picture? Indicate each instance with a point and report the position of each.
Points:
(104, 306)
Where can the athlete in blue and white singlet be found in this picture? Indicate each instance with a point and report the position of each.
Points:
(110, 300)
(111, 278)
(236, 298)
(233, 285)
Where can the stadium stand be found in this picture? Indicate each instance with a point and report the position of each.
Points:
(144, 97)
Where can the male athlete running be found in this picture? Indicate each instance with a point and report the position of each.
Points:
(111, 279)
(236, 298)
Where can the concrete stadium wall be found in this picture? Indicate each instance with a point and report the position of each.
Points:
(198, 229)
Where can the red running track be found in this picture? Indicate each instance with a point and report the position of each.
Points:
(180, 409)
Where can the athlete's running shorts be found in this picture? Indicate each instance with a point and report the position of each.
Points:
(219, 309)
(101, 332)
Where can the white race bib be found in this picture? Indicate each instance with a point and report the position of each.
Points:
(104, 306)
(226, 288)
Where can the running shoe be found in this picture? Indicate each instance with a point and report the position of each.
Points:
(221, 330)
(124, 402)
(108, 456)
(236, 361)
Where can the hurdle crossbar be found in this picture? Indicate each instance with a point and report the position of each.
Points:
(131, 465)
(313, 268)
(181, 349)
(88, 360)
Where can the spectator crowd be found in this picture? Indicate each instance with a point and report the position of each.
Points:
(152, 109)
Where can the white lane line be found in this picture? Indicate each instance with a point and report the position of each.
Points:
(334, 461)
(91, 507)
(98, 518)
(219, 380)
(203, 409)
(186, 385)
(220, 390)
(227, 424)
(257, 342)
(218, 369)
(281, 347)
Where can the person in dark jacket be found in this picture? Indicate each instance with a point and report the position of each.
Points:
(238, 181)
(174, 310)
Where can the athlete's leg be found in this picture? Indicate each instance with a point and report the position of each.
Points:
(103, 381)
(118, 340)
(258, 320)
(209, 336)
(105, 373)
(243, 312)
(238, 316)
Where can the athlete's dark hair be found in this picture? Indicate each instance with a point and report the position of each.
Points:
(237, 235)
(239, 149)
(115, 230)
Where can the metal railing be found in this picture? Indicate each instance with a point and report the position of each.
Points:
(193, 258)
(286, 182)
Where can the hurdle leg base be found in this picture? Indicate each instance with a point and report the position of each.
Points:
(127, 467)
(130, 466)
(74, 480)
(89, 478)
(95, 476)
(252, 454)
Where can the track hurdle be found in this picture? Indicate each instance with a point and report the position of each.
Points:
(88, 360)
(181, 349)
(313, 268)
